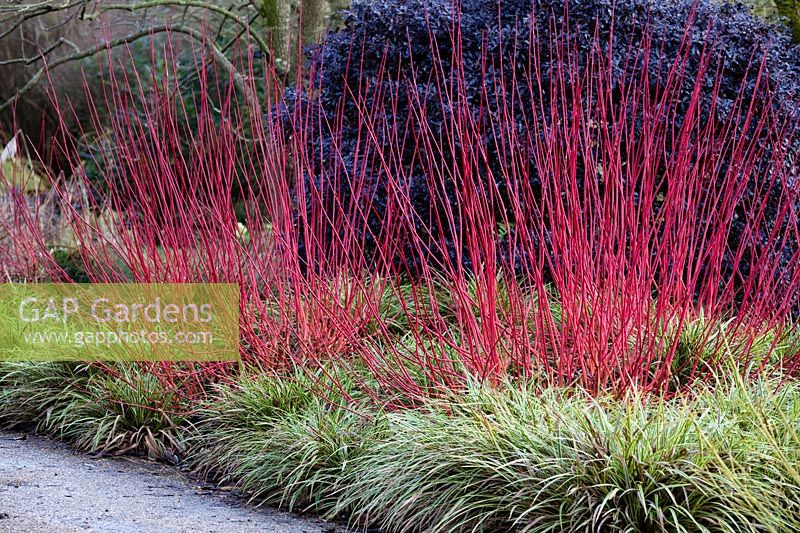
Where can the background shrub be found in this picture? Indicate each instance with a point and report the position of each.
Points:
(407, 68)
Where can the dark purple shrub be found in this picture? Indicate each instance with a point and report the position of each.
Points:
(408, 66)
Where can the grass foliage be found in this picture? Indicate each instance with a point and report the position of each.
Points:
(724, 459)
(120, 410)
(510, 458)
(279, 441)
(518, 455)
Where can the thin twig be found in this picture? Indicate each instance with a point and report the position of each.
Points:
(238, 80)
(209, 6)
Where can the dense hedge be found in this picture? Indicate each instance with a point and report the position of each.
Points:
(387, 48)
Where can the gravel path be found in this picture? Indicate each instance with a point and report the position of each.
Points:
(46, 487)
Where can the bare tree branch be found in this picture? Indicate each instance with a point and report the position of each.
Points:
(20, 14)
(42, 55)
(239, 82)
(208, 6)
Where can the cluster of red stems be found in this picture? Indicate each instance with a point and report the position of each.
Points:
(600, 308)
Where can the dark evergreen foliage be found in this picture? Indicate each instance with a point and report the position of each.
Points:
(397, 57)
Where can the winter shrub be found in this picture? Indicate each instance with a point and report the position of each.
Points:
(572, 191)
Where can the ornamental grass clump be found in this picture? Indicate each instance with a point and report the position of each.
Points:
(538, 463)
(516, 458)
(279, 441)
(103, 409)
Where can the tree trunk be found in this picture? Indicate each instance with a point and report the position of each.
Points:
(313, 13)
(276, 18)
